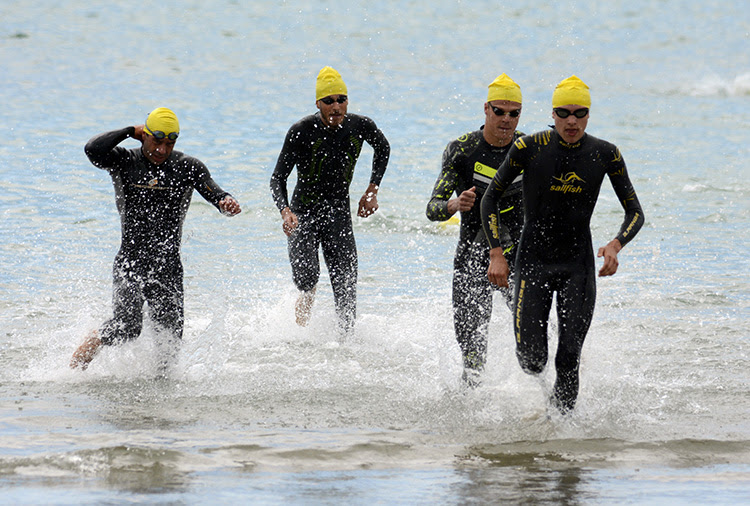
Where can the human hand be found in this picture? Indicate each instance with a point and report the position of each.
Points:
(467, 198)
(498, 270)
(464, 202)
(229, 206)
(368, 204)
(138, 134)
(290, 221)
(609, 252)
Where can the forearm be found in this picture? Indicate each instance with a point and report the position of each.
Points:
(489, 209)
(439, 208)
(281, 172)
(634, 218)
(99, 147)
(489, 218)
(286, 162)
(631, 225)
(372, 190)
(382, 153)
(212, 192)
(279, 192)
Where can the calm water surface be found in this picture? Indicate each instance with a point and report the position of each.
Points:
(260, 410)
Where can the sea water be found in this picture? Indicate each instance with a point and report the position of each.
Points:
(260, 410)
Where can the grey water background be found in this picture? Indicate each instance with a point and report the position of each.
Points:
(260, 410)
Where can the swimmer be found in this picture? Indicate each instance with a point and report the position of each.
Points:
(324, 147)
(563, 171)
(153, 188)
(469, 163)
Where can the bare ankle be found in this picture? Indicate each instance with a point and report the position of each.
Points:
(303, 307)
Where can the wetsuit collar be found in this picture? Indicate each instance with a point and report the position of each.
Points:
(492, 146)
(567, 145)
(152, 164)
(332, 129)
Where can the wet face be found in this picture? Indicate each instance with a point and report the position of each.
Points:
(500, 121)
(157, 150)
(570, 127)
(332, 109)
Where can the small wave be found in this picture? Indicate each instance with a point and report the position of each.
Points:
(694, 188)
(714, 85)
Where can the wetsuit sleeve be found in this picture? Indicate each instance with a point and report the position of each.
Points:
(446, 184)
(376, 139)
(284, 166)
(634, 218)
(504, 177)
(102, 149)
(207, 187)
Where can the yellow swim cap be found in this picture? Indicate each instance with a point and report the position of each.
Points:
(162, 120)
(504, 88)
(571, 91)
(329, 82)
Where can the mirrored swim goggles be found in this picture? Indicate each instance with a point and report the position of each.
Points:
(158, 134)
(499, 112)
(330, 100)
(564, 113)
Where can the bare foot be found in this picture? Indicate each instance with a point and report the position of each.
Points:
(86, 351)
(303, 307)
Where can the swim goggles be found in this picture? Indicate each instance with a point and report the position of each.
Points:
(499, 112)
(158, 134)
(330, 100)
(564, 113)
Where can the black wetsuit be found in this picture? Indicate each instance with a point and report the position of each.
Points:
(325, 159)
(471, 161)
(152, 201)
(561, 185)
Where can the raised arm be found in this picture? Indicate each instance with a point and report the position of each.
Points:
(101, 151)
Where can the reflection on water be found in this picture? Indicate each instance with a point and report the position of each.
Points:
(288, 465)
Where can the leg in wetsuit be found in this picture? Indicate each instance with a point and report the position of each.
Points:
(160, 284)
(328, 226)
(472, 300)
(576, 295)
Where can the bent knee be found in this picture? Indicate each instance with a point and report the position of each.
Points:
(305, 283)
(531, 363)
(117, 332)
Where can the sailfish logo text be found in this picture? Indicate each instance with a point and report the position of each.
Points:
(569, 183)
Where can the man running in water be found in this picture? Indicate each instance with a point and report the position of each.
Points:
(469, 163)
(563, 172)
(153, 187)
(325, 147)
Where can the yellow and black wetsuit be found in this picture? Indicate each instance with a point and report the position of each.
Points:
(471, 161)
(325, 159)
(561, 185)
(152, 201)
